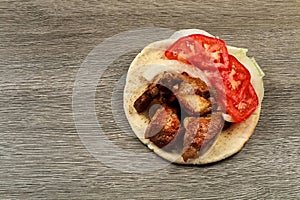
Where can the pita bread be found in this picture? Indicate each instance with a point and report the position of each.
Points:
(152, 61)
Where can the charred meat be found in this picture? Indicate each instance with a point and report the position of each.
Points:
(198, 132)
(194, 104)
(164, 126)
(170, 95)
(146, 98)
(168, 80)
(192, 93)
(191, 85)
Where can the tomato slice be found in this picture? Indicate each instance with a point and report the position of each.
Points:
(241, 110)
(235, 80)
(201, 51)
(241, 98)
(230, 78)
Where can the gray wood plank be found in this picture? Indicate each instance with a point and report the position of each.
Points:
(43, 44)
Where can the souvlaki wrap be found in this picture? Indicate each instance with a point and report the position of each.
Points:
(192, 99)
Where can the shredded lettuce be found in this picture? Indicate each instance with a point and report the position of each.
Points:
(260, 71)
(237, 51)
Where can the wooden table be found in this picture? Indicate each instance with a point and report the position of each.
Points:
(42, 47)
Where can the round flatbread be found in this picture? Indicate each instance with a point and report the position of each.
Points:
(150, 62)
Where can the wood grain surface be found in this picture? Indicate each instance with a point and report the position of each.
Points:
(43, 44)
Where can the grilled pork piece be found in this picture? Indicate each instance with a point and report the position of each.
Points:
(142, 103)
(192, 93)
(191, 85)
(168, 80)
(194, 104)
(161, 88)
(176, 92)
(163, 127)
(198, 132)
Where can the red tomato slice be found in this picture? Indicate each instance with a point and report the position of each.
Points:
(188, 51)
(241, 98)
(202, 51)
(241, 110)
(236, 80)
(225, 72)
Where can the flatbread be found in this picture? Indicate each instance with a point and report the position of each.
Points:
(152, 60)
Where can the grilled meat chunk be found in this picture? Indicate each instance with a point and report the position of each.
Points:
(161, 87)
(199, 131)
(163, 127)
(168, 80)
(146, 98)
(166, 97)
(193, 95)
(194, 104)
(191, 85)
